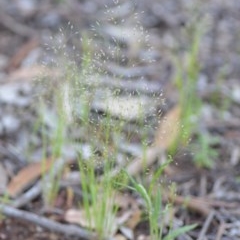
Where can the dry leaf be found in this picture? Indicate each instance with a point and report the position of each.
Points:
(26, 177)
(119, 237)
(134, 218)
(80, 217)
(138, 164)
(193, 203)
(166, 135)
(131, 214)
(70, 197)
(28, 74)
(168, 129)
(143, 237)
(127, 232)
(124, 201)
(130, 218)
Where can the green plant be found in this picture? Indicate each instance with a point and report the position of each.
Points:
(204, 154)
(74, 100)
(155, 212)
(219, 98)
(98, 199)
(98, 194)
(56, 140)
(186, 81)
(4, 199)
(191, 104)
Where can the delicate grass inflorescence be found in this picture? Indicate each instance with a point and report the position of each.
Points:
(105, 103)
(186, 80)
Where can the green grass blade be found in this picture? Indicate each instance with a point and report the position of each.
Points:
(177, 232)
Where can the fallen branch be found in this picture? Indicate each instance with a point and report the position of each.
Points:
(221, 230)
(28, 196)
(206, 225)
(69, 230)
(203, 206)
(16, 27)
(193, 203)
(36, 189)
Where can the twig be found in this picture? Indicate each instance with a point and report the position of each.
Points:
(138, 164)
(203, 186)
(25, 198)
(131, 72)
(201, 205)
(206, 225)
(10, 23)
(10, 152)
(17, 59)
(139, 85)
(70, 230)
(34, 191)
(192, 203)
(220, 231)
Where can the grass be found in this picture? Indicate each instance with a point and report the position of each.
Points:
(98, 198)
(98, 193)
(51, 181)
(205, 154)
(152, 197)
(186, 80)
